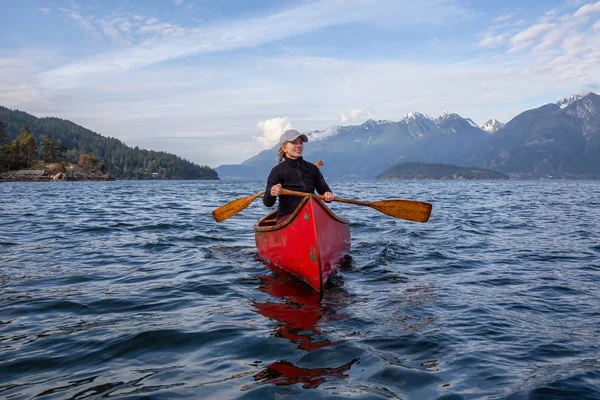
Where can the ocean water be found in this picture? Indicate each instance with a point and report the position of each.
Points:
(131, 290)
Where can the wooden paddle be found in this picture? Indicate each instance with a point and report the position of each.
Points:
(410, 210)
(233, 207)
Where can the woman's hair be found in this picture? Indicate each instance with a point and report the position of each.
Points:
(280, 152)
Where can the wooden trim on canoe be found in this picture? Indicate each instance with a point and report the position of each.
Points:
(259, 227)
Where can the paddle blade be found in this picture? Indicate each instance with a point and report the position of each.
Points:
(409, 210)
(233, 207)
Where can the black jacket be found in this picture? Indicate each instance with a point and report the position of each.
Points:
(296, 175)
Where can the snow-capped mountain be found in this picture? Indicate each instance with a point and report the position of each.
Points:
(544, 141)
(492, 126)
(567, 101)
(371, 123)
(418, 124)
(416, 115)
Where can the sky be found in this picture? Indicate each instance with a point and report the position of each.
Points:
(216, 82)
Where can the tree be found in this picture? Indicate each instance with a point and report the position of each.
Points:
(48, 151)
(88, 160)
(60, 150)
(26, 145)
(3, 146)
(83, 160)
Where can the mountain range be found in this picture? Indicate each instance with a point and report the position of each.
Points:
(557, 140)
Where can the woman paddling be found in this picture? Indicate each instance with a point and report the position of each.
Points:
(293, 173)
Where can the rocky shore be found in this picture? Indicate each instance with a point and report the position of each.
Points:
(55, 172)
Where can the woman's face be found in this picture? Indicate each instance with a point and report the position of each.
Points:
(293, 149)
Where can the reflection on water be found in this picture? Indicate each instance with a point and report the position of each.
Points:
(283, 373)
(298, 314)
(297, 310)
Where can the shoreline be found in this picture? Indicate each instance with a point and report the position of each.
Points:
(53, 172)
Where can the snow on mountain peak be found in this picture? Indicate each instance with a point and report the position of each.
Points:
(492, 126)
(567, 101)
(471, 122)
(372, 122)
(415, 115)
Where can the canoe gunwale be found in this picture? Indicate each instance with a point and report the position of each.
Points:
(268, 228)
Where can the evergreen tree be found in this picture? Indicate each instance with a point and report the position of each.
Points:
(3, 148)
(48, 149)
(60, 151)
(26, 145)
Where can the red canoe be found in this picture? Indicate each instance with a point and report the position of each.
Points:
(310, 244)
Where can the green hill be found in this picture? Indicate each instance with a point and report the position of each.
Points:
(120, 160)
(415, 170)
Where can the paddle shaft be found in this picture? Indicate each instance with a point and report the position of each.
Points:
(287, 192)
(302, 194)
(404, 209)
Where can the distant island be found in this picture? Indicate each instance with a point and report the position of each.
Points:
(52, 146)
(415, 170)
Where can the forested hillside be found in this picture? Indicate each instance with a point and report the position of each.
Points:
(120, 160)
(415, 170)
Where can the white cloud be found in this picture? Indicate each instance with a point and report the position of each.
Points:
(492, 41)
(321, 134)
(550, 40)
(529, 36)
(85, 22)
(45, 10)
(176, 42)
(351, 116)
(587, 10)
(178, 2)
(271, 130)
(163, 29)
(505, 17)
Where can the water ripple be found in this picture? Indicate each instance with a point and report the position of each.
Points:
(131, 290)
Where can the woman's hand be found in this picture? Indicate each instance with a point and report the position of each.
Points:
(276, 190)
(328, 197)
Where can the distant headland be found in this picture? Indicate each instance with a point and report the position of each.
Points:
(42, 149)
(415, 170)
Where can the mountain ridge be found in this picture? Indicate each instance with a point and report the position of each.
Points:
(553, 140)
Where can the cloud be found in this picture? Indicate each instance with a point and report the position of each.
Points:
(529, 36)
(321, 134)
(492, 41)
(559, 44)
(45, 10)
(550, 40)
(587, 10)
(175, 42)
(351, 116)
(505, 17)
(85, 22)
(163, 29)
(271, 130)
(178, 2)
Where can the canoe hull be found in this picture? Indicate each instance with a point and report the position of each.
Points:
(310, 244)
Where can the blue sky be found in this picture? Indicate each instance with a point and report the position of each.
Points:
(218, 81)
